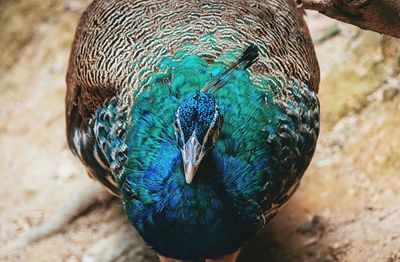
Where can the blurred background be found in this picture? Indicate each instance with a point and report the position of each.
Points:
(346, 209)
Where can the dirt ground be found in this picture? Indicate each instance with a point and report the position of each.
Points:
(346, 209)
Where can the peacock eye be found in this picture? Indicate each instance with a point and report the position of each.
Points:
(175, 123)
(209, 142)
(212, 137)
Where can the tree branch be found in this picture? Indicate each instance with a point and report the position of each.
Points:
(382, 16)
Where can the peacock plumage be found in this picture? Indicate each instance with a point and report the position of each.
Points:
(201, 115)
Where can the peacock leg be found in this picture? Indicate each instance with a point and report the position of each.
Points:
(166, 259)
(229, 258)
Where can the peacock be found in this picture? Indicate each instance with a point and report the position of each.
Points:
(202, 116)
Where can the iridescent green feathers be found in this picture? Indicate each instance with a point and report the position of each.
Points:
(134, 65)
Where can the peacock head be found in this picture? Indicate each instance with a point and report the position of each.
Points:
(197, 125)
(198, 121)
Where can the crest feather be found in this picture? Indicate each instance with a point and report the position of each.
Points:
(249, 57)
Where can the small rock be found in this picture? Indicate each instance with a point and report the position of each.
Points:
(312, 226)
(390, 93)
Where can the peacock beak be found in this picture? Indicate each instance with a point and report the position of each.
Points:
(192, 155)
